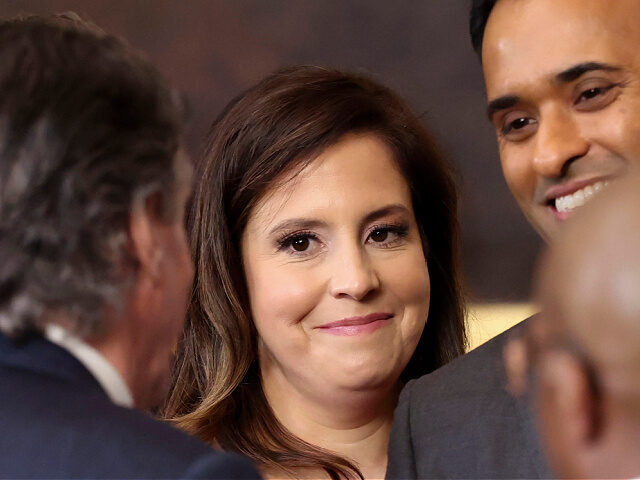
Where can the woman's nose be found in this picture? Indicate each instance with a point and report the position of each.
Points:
(353, 276)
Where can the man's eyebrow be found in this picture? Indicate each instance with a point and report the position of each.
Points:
(575, 72)
(501, 103)
(566, 76)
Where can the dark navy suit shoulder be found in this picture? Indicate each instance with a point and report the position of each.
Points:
(461, 422)
(56, 422)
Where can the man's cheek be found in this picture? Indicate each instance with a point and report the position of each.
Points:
(519, 175)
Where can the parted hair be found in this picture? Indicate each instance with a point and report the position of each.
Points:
(87, 126)
(478, 17)
(276, 127)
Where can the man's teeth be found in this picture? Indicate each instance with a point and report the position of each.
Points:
(579, 198)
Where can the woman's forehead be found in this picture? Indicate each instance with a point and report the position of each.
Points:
(358, 172)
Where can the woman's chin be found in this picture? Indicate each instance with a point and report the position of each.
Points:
(366, 379)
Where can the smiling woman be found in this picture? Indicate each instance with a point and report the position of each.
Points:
(324, 234)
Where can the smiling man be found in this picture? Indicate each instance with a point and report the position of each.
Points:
(563, 86)
(563, 91)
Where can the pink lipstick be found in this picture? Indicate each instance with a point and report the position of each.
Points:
(357, 325)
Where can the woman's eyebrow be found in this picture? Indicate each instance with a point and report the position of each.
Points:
(297, 224)
(395, 208)
(303, 223)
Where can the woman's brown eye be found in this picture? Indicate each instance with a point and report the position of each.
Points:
(300, 244)
(379, 235)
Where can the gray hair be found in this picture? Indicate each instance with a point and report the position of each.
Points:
(86, 128)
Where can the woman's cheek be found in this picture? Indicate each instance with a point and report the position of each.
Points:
(408, 279)
(284, 299)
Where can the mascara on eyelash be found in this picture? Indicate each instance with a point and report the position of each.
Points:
(286, 240)
(400, 229)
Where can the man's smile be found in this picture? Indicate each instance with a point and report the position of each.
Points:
(578, 198)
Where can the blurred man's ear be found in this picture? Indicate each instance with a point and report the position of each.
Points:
(569, 403)
(516, 365)
(145, 225)
(569, 388)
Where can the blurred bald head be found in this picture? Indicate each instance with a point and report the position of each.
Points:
(588, 339)
(589, 284)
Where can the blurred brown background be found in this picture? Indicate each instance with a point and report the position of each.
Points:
(213, 49)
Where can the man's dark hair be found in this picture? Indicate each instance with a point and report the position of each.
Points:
(87, 129)
(480, 11)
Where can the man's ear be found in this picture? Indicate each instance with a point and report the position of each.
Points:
(565, 384)
(514, 356)
(146, 234)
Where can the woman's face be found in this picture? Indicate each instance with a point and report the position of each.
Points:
(337, 278)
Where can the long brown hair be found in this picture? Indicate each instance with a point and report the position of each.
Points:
(284, 122)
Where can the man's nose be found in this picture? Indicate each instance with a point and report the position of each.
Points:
(353, 275)
(558, 142)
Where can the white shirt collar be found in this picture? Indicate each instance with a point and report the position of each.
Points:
(104, 372)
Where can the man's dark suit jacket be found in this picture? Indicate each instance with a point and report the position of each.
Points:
(461, 422)
(57, 422)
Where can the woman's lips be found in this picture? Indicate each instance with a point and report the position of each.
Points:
(356, 325)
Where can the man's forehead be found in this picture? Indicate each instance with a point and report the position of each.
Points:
(520, 15)
(538, 39)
